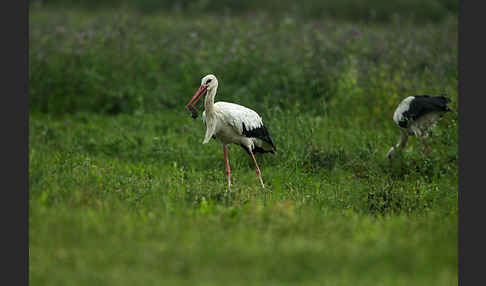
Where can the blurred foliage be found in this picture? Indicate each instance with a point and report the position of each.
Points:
(124, 62)
(369, 10)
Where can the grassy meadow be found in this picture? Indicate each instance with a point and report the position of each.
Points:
(123, 192)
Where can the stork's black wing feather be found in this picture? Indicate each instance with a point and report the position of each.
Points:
(260, 133)
(423, 104)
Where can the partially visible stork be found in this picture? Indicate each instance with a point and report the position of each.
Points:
(416, 115)
(231, 124)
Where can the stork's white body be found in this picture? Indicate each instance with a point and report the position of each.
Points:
(227, 121)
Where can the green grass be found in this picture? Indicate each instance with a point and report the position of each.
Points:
(122, 192)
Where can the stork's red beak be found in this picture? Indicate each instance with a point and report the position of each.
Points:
(199, 93)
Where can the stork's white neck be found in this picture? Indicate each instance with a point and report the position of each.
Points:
(209, 100)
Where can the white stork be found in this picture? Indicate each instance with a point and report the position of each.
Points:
(415, 115)
(231, 124)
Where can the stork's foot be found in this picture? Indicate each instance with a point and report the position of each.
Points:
(263, 185)
(425, 147)
(263, 188)
(228, 170)
(260, 179)
(228, 174)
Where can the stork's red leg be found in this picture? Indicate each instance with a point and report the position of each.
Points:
(257, 169)
(228, 170)
(425, 145)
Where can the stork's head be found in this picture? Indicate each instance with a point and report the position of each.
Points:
(208, 84)
(210, 81)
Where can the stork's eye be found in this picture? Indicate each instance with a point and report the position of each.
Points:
(208, 81)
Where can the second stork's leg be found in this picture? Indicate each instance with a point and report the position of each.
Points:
(257, 169)
(426, 147)
(228, 170)
(421, 135)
